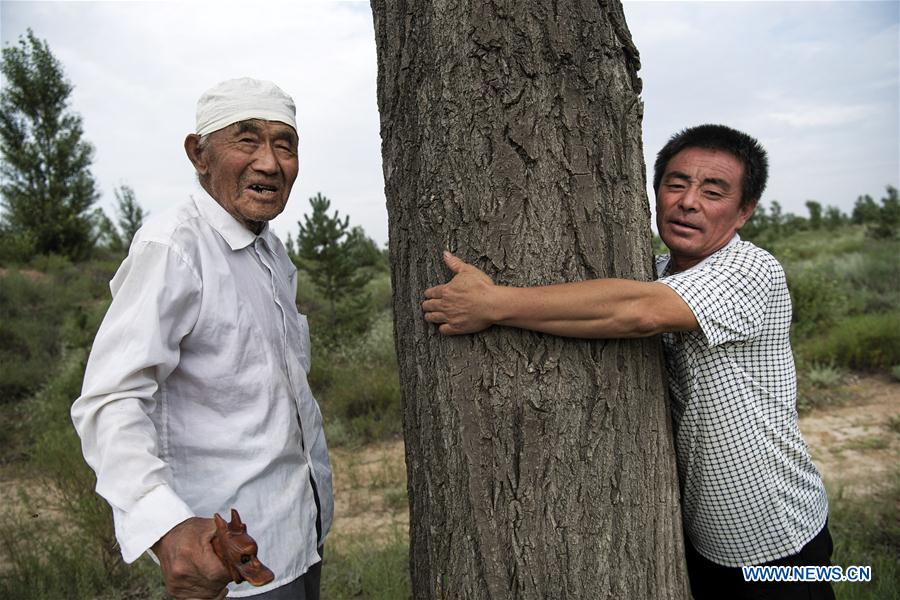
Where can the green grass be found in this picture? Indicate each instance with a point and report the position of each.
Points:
(367, 570)
(873, 442)
(863, 342)
(866, 531)
(815, 245)
(79, 559)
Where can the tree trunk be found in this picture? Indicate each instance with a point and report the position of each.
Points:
(539, 467)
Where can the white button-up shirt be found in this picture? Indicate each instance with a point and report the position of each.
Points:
(195, 398)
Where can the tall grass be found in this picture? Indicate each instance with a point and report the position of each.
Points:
(358, 387)
(866, 531)
(61, 543)
(368, 569)
(39, 306)
(863, 342)
(845, 297)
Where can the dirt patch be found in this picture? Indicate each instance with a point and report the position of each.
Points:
(369, 493)
(857, 445)
(28, 495)
(29, 274)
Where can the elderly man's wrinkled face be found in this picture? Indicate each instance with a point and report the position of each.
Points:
(249, 168)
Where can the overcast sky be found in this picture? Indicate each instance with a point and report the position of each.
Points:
(816, 82)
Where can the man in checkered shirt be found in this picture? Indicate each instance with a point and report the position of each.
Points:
(750, 492)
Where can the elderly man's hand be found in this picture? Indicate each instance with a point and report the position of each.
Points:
(465, 304)
(190, 567)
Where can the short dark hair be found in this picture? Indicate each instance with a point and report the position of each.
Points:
(719, 137)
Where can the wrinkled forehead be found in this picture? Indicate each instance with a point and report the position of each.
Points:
(696, 159)
(260, 127)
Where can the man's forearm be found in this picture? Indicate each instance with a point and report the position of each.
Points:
(602, 308)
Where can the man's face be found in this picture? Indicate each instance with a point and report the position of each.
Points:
(698, 204)
(249, 168)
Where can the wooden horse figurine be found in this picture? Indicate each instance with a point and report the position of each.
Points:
(237, 551)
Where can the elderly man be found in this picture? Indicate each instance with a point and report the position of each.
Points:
(195, 398)
(750, 493)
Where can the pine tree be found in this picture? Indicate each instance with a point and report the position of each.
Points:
(47, 188)
(104, 234)
(129, 212)
(328, 249)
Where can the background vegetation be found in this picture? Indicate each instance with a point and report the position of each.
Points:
(57, 541)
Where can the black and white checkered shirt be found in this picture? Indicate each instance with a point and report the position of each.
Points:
(750, 492)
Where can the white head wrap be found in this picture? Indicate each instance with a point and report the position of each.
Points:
(241, 99)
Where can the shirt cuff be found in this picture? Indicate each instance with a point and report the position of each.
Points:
(149, 519)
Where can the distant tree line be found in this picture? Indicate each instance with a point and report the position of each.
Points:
(881, 220)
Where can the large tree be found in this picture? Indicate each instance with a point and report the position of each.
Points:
(539, 467)
(47, 188)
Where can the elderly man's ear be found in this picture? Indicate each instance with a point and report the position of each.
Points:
(195, 154)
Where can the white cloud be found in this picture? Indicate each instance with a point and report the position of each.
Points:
(818, 116)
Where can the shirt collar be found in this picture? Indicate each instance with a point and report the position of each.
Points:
(666, 260)
(232, 231)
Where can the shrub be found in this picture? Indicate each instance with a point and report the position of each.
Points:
(818, 299)
(31, 314)
(865, 342)
(43, 311)
(824, 376)
(358, 386)
(874, 278)
(15, 246)
(819, 385)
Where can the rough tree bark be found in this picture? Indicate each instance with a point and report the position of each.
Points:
(539, 467)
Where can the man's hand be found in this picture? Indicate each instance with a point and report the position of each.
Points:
(464, 305)
(190, 567)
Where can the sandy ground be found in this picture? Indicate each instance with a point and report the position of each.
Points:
(369, 493)
(857, 444)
